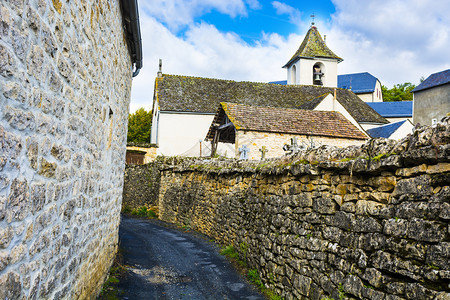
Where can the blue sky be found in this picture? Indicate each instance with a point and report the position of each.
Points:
(395, 40)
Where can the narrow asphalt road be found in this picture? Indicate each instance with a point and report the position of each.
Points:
(166, 263)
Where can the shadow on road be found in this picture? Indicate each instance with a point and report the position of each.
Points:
(166, 263)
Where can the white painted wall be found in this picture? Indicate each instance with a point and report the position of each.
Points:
(179, 132)
(402, 131)
(304, 72)
(393, 120)
(329, 104)
(376, 96)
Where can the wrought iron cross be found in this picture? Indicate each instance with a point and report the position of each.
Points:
(313, 16)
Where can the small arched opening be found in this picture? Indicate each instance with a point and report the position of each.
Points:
(293, 74)
(318, 73)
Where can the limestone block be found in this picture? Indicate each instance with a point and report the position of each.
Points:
(414, 188)
(11, 145)
(8, 65)
(10, 287)
(18, 205)
(366, 224)
(19, 119)
(47, 169)
(428, 231)
(324, 205)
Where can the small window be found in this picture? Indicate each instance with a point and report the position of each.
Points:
(294, 75)
(433, 122)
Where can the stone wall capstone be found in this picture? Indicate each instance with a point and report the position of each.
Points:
(65, 79)
(362, 222)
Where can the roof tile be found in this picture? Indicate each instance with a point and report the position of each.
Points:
(203, 95)
(292, 121)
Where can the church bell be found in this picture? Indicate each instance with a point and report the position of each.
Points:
(317, 76)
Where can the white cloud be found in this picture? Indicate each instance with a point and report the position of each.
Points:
(397, 41)
(284, 9)
(253, 4)
(178, 13)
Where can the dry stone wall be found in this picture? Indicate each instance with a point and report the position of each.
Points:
(363, 222)
(141, 186)
(65, 78)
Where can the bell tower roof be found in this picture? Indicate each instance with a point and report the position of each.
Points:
(313, 46)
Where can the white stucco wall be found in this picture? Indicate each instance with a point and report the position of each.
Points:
(376, 96)
(394, 120)
(304, 72)
(402, 131)
(179, 132)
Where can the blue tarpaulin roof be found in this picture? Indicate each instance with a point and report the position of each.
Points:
(385, 131)
(358, 82)
(395, 109)
(435, 79)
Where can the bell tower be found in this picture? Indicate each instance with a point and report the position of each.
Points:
(313, 63)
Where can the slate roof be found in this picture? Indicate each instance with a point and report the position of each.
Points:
(283, 82)
(385, 131)
(289, 121)
(359, 83)
(313, 46)
(433, 80)
(203, 95)
(395, 109)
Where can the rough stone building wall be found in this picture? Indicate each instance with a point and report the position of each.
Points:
(65, 77)
(368, 222)
(274, 142)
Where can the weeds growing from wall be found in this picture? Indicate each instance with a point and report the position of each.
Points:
(110, 290)
(142, 212)
(252, 274)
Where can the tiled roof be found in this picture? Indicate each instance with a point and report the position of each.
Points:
(385, 131)
(283, 82)
(433, 80)
(203, 95)
(395, 109)
(313, 46)
(291, 121)
(359, 83)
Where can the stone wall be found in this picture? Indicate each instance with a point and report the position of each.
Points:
(65, 77)
(363, 222)
(141, 186)
(274, 142)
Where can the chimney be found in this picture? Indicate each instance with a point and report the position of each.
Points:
(160, 68)
(325, 39)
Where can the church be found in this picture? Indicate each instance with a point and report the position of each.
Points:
(185, 108)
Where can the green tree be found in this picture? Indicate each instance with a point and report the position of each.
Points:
(139, 125)
(400, 92)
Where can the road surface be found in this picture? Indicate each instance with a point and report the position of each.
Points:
(166, 263)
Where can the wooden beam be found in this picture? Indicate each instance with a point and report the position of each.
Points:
(221, 127)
